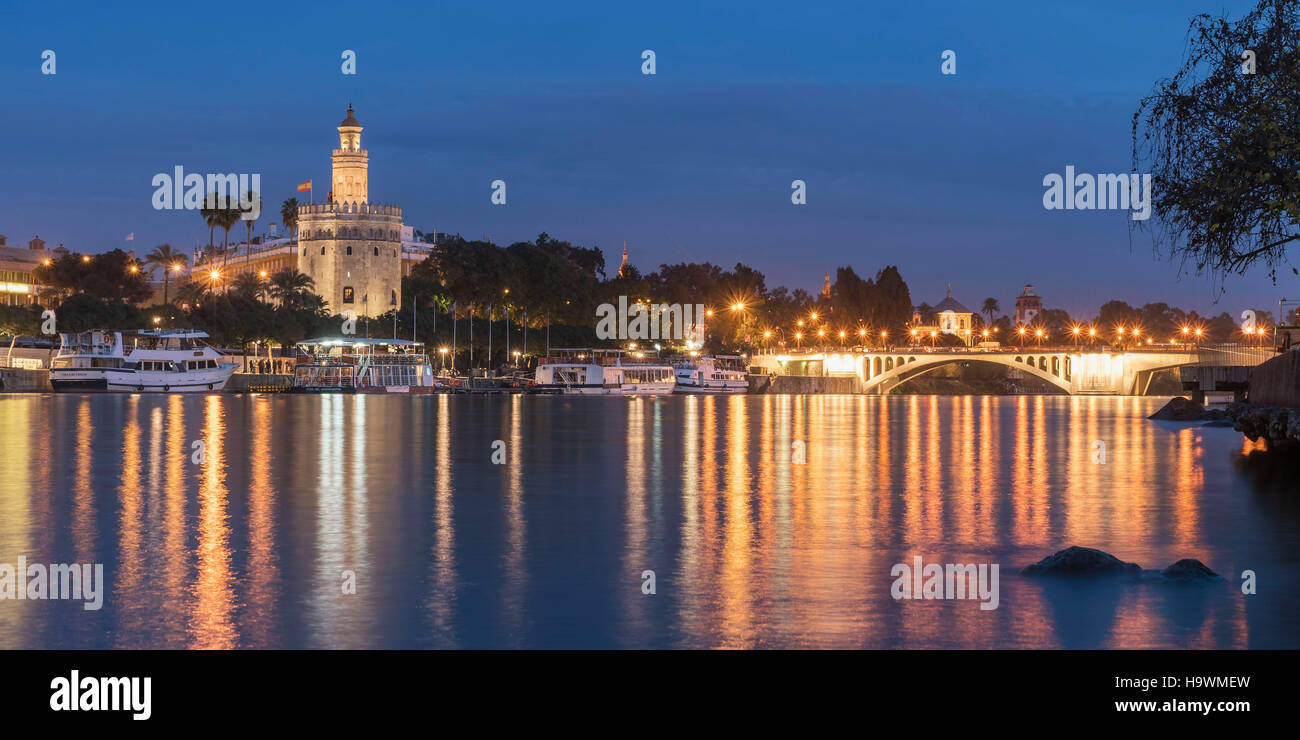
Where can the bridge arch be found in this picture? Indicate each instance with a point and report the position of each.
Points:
(915, 366)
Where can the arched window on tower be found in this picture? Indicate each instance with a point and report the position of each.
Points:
(349, 250)
(322, 250)
(376, 251)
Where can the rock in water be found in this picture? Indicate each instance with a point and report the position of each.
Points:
(1180, 409)
(1189, 569)
(1082, 562)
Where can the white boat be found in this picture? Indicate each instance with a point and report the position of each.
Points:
(602, 372)
(155, 360)
(356, 365)
(711, 374)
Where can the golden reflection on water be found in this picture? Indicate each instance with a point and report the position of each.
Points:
(130, 496)
(787, 537)
(83, 513)
(263, 565)
(20, 502)
(211, 622)
(768, 520)
(443, 581)
(515, 557)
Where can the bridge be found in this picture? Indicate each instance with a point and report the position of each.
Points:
(1075, 371)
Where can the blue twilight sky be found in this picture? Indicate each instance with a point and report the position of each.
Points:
(941, 175)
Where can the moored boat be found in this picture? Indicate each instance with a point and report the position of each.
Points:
(149, 361)
(711, 374)
(356, 365)
(602, 372)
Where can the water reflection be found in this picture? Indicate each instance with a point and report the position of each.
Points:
(768, 520)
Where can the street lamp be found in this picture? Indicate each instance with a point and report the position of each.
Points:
(442, 352)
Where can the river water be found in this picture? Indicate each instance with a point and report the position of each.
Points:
(229, 521)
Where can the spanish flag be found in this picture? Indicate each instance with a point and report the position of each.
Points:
(304, 186)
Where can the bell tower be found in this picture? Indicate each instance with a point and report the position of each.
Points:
(350, 181)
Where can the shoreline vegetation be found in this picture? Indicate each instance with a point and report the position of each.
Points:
(550, 285)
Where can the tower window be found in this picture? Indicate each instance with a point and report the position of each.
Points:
(349, 250)
(376, 251)
(322, 250)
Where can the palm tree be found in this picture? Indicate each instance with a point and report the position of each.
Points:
(289, 215)
(191, 292)
(291, 287)
(168, 259)
(227, 219)
(248, 285)
(256, 205)
(212, 216)
(990, 307)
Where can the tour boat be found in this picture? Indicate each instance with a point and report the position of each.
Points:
(711, 374)
(155, 360)
(355, 365)
(602, 372)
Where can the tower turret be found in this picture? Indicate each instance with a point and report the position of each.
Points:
(350, 178)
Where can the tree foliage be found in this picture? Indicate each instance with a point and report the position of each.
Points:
(1223, 145)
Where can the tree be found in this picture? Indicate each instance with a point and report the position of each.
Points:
(212, 217)
(168, 259)
(289, 215)
(107, 277)
(991, 308)
(249, 217)
(290, 287)
(248, 285)
(1223, 144)
(227, 219)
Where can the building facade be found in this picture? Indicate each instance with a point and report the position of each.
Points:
(17, 285)
(950, 317)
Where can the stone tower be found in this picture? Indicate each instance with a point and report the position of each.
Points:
(1028, 306)
(351, 248)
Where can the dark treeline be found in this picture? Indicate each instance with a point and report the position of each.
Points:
(547, 292)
